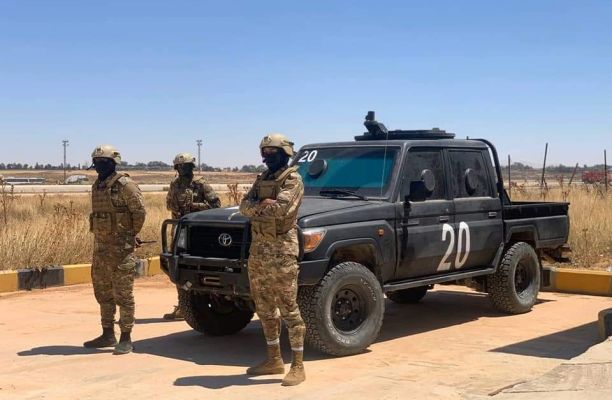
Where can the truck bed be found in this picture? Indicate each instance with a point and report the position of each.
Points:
(534, 209)
(546, 224)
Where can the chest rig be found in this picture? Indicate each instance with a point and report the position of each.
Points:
(110, 215)
(184, 195)
(267, 228)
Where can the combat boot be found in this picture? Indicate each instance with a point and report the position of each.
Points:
(273, 364)
(176, 315)
(296, 374)
(125, 344)
(106, 339)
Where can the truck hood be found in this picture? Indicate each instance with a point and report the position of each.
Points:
(314, 211)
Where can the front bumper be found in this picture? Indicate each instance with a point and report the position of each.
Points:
(221, 275)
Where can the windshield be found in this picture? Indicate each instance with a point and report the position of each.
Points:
(363, 170)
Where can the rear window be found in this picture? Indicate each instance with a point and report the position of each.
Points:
(472, 162)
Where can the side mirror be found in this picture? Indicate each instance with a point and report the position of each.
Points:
(420, 190)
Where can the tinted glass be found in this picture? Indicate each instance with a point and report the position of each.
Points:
(367, 171)
(461, 161)
(420, 159)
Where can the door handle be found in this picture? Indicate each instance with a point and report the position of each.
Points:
(492, 214)
(444, 218)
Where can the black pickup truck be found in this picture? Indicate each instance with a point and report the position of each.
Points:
(391, 213)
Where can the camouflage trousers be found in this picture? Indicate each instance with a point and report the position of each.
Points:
(273, 280)
(112, 274)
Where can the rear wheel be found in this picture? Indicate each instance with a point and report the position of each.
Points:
(344, 312)
(212, 314)
(514, 287)
(408, 296)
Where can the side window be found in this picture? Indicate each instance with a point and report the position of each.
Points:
(420, 159)
(469, 174)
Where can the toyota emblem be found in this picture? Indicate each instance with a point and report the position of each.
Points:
(225, 239)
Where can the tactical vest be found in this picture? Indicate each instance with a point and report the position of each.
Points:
(106, 218)
(184, 196)
(267, 228)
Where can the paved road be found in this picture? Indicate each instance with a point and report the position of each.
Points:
(451, 346)
(87, 188)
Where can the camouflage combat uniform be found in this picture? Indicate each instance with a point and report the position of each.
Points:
(190, 195)
(187, 195)
(273, 267)
(118, 214)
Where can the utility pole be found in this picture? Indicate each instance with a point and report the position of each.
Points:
(544, 166)
(65, 144)
(605, 171)
(199, 142)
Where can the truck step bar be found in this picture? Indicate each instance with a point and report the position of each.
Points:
(412, 283)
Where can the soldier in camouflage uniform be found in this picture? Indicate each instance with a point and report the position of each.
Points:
(272, 205)
(188, 195)
(118, 214)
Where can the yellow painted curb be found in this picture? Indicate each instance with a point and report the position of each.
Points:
(581, 281)
(154, 267)
(78, 273)
(8, 281)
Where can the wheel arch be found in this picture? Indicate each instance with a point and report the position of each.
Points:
(523, 233)
(365, 251)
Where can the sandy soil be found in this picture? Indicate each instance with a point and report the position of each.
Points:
(451, 344)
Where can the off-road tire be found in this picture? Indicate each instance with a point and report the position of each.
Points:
(408, 296)
(514, 287)
(212, 316)
(349, 289)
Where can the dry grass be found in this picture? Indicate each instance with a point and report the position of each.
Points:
(140, 176)
(53, 229)
(590, 221)
(47, 230)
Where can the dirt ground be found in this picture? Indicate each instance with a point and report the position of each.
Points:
(450, 345)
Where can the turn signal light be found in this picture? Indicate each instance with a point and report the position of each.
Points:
(312, 239)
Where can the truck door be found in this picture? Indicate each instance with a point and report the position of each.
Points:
(478, 209)
(420, 232)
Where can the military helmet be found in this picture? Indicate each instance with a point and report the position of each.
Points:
(107, 151)
(277, 140)
(184, 158)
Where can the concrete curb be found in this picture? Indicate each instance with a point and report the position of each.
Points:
(578, 281)
(604, 323)
(41, 278)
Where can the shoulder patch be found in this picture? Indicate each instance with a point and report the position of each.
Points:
(124, 180)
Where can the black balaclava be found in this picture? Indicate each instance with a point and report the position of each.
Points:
(275, 161)
(185, 171)
(105, 167)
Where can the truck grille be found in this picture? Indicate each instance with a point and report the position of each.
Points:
(217, 242)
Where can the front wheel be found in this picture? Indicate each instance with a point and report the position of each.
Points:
(211, 314)
(344, 312)
(514, 287)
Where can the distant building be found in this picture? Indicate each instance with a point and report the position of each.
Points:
(24, 181)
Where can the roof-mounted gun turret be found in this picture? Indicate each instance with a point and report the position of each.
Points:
(378, 131)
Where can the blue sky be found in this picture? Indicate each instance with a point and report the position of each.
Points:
(151, 77)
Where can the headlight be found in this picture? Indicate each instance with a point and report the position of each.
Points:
(312, 238)
(181, 241)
